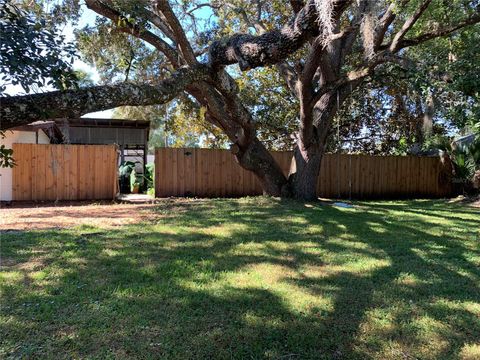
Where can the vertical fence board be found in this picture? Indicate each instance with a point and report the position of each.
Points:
(163, 176)
(189, 187)
(83, 181)
(157, 174)
(399, 175)
(16, 175)
(19, 178)
(435, 176)
(42, 170)
(238, 181)
(196, 172)
(67, 171)
(179, 182)
(216, 174)
(169, 173)
(227, 166)
(48, 172)
(392, 176)
(59, 173)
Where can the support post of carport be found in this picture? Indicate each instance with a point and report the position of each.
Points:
(122, 154)
(145, 153)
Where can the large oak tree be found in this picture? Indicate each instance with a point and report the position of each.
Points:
(326, 50)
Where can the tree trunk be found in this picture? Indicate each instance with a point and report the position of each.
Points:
(303, 177)
(427, 124)
(257, 158)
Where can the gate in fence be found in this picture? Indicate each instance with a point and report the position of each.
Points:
(64, 172)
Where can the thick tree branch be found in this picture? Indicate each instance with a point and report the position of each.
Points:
(313, 61)
(289, 75)
(329, 104)
(475, 19)
(385, 21)
(408, 25)
(160, 22)
(24, 109)
(273, 46)
(112, 14)
(297, 5)
(163, 7)
(356, 76)
(306, 92)
(199, 6)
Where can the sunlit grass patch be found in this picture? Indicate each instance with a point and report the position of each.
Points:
(470, 352)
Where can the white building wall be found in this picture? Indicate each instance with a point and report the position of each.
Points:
(19, 137)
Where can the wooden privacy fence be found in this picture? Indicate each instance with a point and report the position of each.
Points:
(64, 172)
(215, 173)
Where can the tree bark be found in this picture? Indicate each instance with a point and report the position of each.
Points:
(427, 123)
(258, 159)
(303, 181)
(251, 51)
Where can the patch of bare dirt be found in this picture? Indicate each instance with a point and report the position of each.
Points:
(30, 216)
(472, 201)
(475, 202)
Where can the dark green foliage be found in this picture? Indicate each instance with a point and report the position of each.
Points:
(465, 159)
(130, 179)
(124, 172)
(33, 53)
(272, 105)
(6, 156)
(126, 168)
(136, 180)
(149, 176)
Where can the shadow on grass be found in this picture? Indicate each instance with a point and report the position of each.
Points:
(255, 278)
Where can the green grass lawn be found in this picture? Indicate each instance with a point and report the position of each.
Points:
(249, 279)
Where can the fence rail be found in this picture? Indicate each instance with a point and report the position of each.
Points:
(64, 172)
(215, 173)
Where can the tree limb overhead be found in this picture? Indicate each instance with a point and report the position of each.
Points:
(24, 109)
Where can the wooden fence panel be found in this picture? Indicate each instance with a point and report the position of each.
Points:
(215, 173)
(64, 172)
